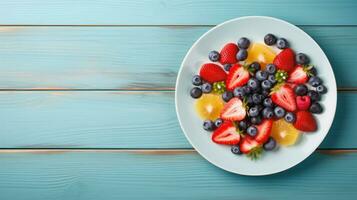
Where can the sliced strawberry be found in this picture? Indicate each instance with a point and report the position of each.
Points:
(284, 96)
(234, 110)
(228, 54)
(264, 131)
(305, 121)
(247, 144)
(226, 134)
(285, 60)
(211, 73)
(299, 75)
(237, 76)
(303, 102)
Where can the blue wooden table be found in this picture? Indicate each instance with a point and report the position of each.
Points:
(87, 101)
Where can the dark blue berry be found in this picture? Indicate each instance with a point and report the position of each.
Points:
(196, 92)
(242, 54)
(235, 150)
(252, 131)
(268, 113)
(269, 39)
(227, 95)
(315, 108)
(255, 66)
(227, 67)
(302, 59)
(301, 90)
(196, 80)
(261, 75)
(243, 43)
(266, 84)
(279, 112)
(208, 125)
(282, 43)
(268, 102)
(265, 93)
(270, 144)
(253, 111)
(272, 79)
(257, 98)
(246, 89)
(238, 92)
(313, 71)
(250, 100)
(213, 56)
(321, 89)
(290, 117)
(256, 120)
(314, 96)
(315, 81)
(270, 68)
(253, 83)
(243, 125)
(218, 122)
(206, 88)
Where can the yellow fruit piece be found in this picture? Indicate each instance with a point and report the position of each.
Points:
(209, 106)
(260, 53)
(284, 133)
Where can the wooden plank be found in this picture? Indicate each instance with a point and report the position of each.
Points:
(125, 175)
(102, 57)
(81, 12)
(58, 119)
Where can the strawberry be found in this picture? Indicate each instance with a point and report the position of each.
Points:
(305, 121)
(226, 134)
(284, 96)
(211, 73)
(300, 74)
(247, 144)
(303, 102)
(285, 60)
(238, 76)
(228, 54)
(264, 130)
(234, 110)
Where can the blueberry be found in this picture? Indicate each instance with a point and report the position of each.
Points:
(246, 89)
(243, 125)
(282, 43)
(250, 100)
(218, 122)
(206, 88)
(252, 131)
(242, 54)
(196, 92)
(253, 111)
(265, 93)
(272, 79)
(243, 43)
(255, 66)
(315, 81)
(227, 67)
(238, 92)
(208, 125)
(269, 39)
(302, 59)
(256, 120)
(253, 83)
(279, 112)
(290, 117)
(270, 68)
(235, 149)
(313, 71)
(261, 75)
(266, 84)
(270, 144)
(257, 98)
(227, 95)
(196, 80)
(316, 108)
(268, 102)
(213, 56)
(321, 89)
(314, 96)
(268, 113)
(300, 90)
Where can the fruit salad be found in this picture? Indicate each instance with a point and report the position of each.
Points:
(257, 96)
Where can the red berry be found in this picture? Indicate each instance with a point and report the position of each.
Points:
(237, 76)
(303, 102)
(228, 54)
(211, 73)
(305, 121)
(285, 60)
(226, 134)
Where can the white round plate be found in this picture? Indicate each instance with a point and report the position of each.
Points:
(254, 28)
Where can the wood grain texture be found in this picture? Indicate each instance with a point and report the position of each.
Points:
(127, 57)
(92, 176)
(58, 119)
(81, 12)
